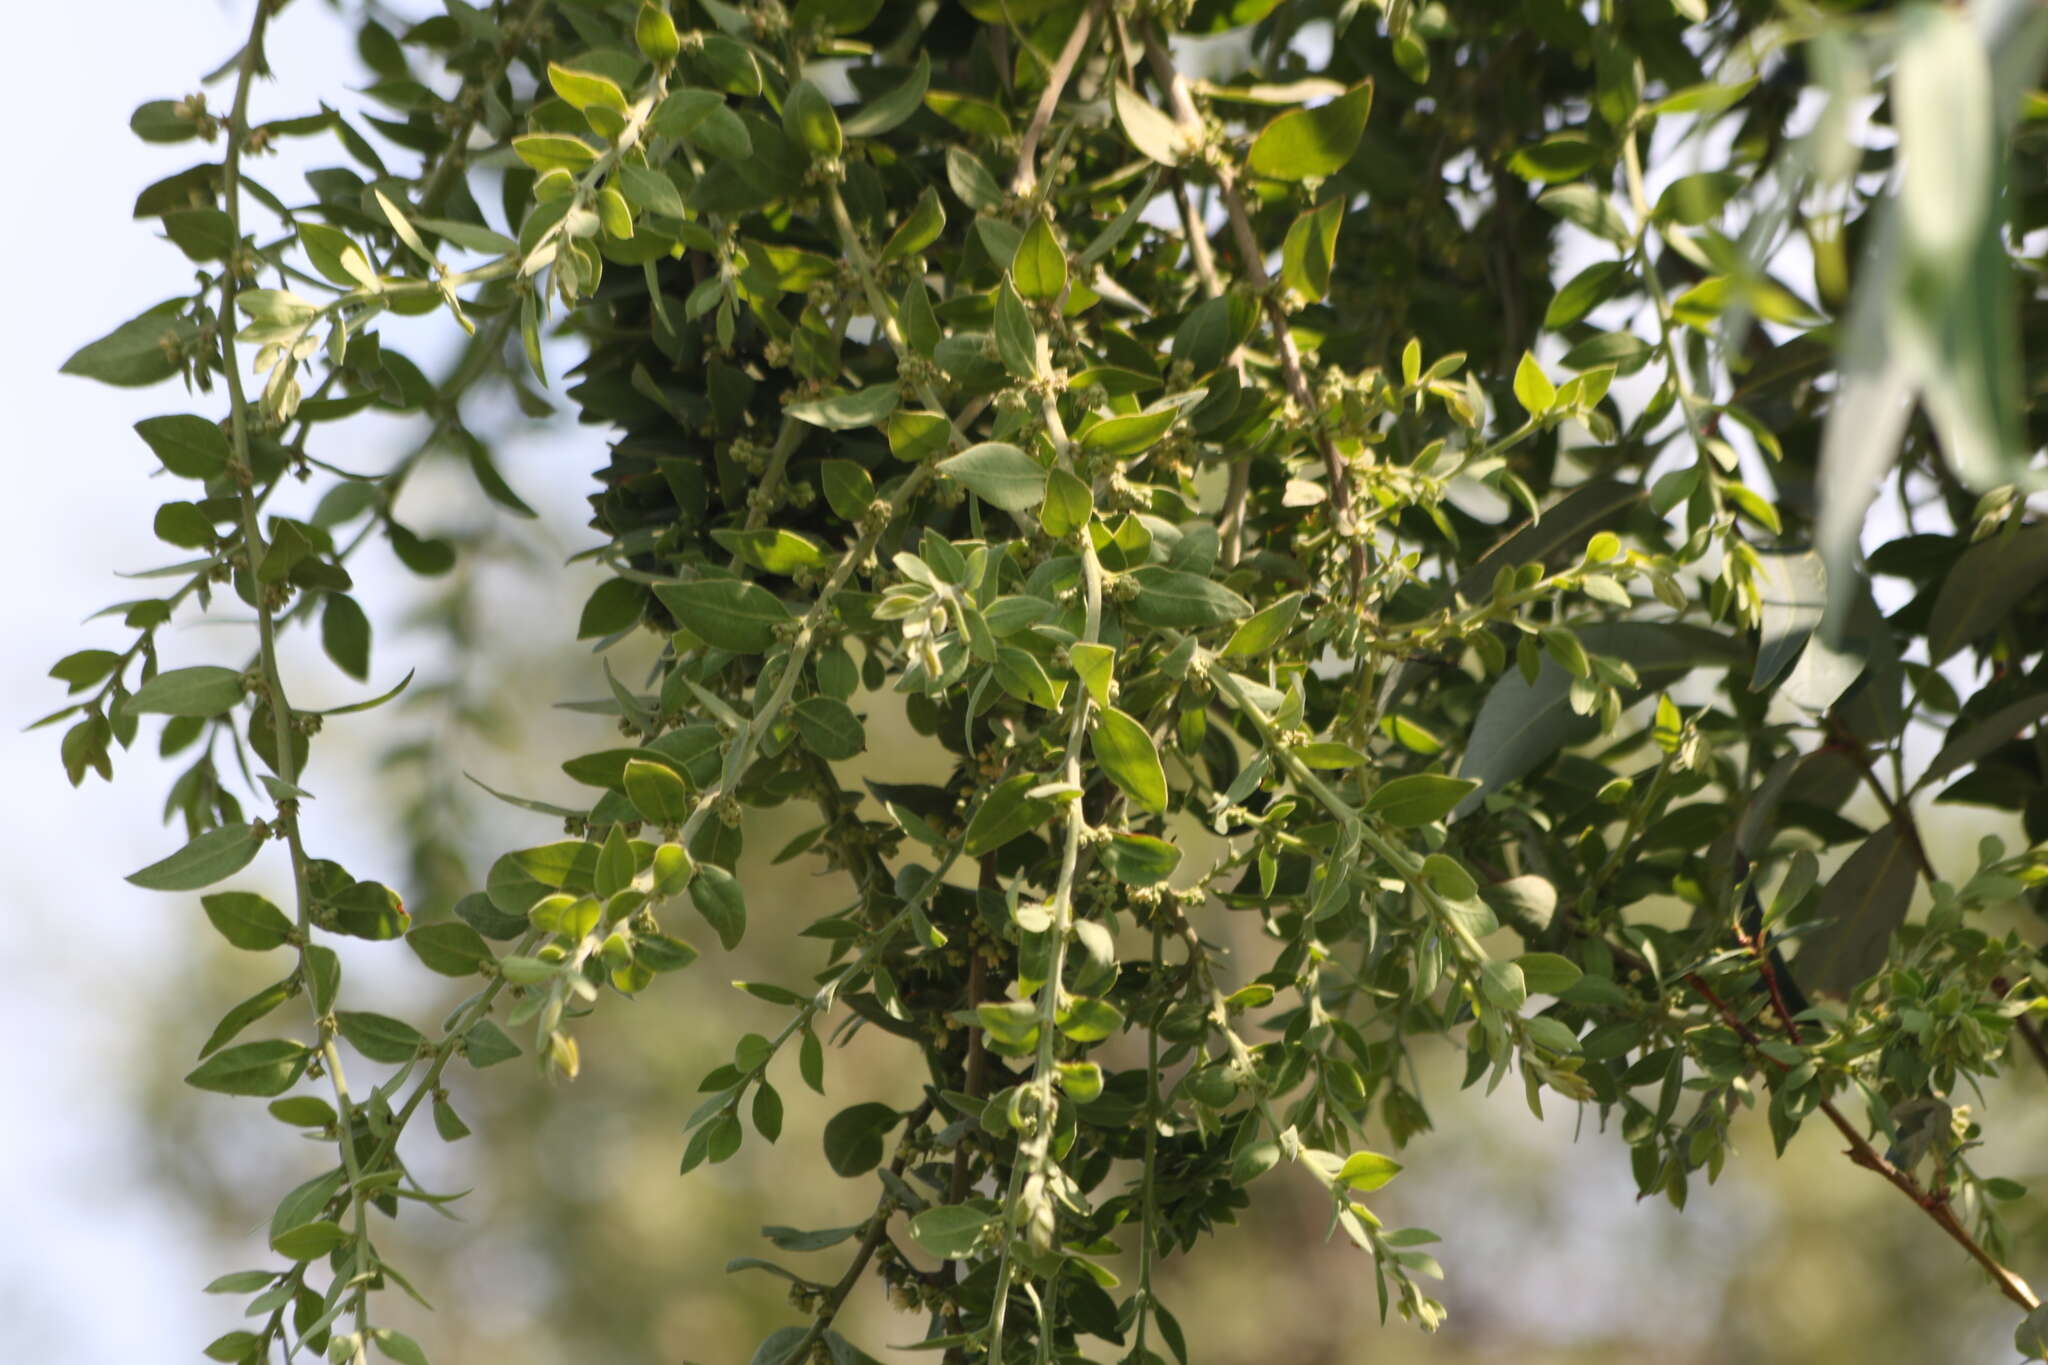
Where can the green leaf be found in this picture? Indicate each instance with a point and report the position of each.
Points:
(1310, 250)
(829, 728)
(198, 692)
(917, 436)
(1561, 156)
(1584, 292)
(726, 613)
(486, 1045)
(1548, 973)
(586, 89)
(1266, 629)
(1367, 1171)
(379, 1037)
(1533, 389)
(309, 1241)
(656, 792)
(1861, 907)
(844, 411)
(345, 635)
(1418, 799)
(263, 1069)
(395, 1344)
(1305, 144)
(450, 947)
(1972, 742)
(950, 1231)
(808, 119)
(247, 920)
(1128, 758)
(889, 109)
(190, 447)
(1068, 505)
(774, 550)
(1090, 1021)
(853, 1137)
(1983, 585)
(244, 1014)
(1139, 859)
(1693, 200)
(999, 474)
(1040, 266)
(207, 859)
(1792, 588)
(1178, 600)
(717, 895)
(849, 489)
(141, 351)
(1153, 133)
(554, 151)
(1005, 814)
(1121, 437)
(1585, 207)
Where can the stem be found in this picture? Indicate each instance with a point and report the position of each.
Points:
(1035, 1150)
(1024, 181)
(266, 634)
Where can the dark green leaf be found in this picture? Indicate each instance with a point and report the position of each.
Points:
(266, 1068)
(726, 613)
(207, 859)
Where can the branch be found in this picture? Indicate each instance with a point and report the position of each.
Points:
(1252, 257)
(1024, 182)
(1934, 1205)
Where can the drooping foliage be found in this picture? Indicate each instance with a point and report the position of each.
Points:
(1382, 486)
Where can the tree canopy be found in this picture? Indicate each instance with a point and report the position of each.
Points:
(1388, 523)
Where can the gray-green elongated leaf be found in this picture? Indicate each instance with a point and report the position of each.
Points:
(1979, 739)
(726, 613)
(847, 411)
(1178, 600)
(264, 1068)
(201, 692)
(999, 474)
(1861, 907)
(1128, 758)
(1418, 798)
(1312, 144)
(892, 107)
(190, 447)
(246, 1013)
(1794, 592)
(213, 855)
(1521, 724)
(1985, 582)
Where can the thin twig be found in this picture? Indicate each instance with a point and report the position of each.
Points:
(1934, 1205)
(1025, 180)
